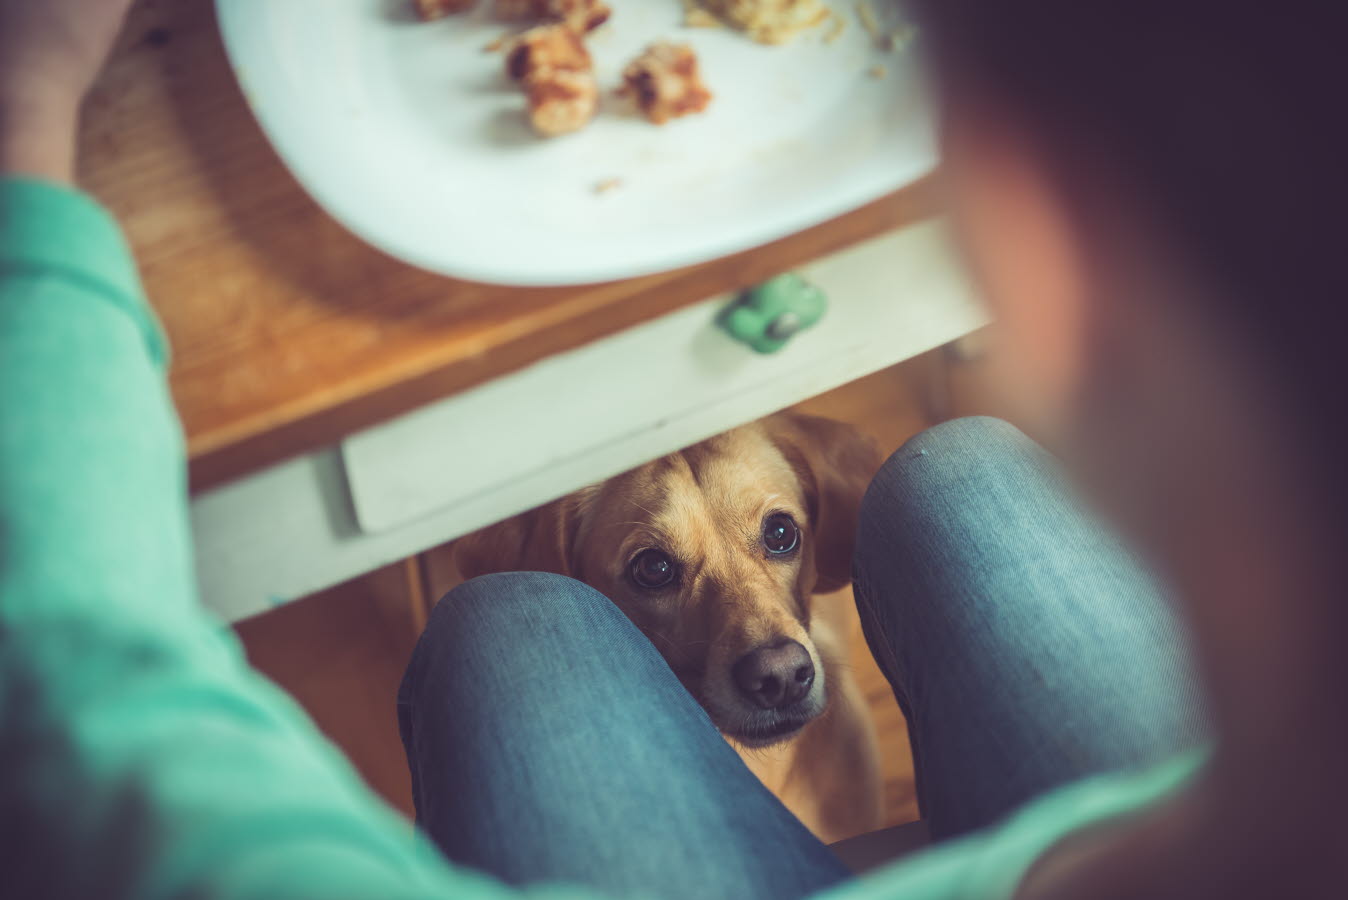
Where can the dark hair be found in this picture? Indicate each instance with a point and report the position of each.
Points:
(1227, 120)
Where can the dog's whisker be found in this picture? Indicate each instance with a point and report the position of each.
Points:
(644, 509)
(673, 645)
(650, 512)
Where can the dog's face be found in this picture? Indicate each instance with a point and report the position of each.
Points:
(706, 550)
(714, 553)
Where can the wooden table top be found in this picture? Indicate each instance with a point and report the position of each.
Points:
(288, 332)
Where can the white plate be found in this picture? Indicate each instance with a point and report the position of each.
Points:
(409, 134)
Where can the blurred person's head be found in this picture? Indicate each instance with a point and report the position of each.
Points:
(1153, 198)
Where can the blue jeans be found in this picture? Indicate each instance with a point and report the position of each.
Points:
(549, 741)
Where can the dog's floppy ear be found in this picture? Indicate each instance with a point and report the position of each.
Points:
(540, 540)
(835, 462)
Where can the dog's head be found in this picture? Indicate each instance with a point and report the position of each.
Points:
(714, 553)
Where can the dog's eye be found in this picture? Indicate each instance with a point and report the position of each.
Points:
(652, 569)
(780, 534)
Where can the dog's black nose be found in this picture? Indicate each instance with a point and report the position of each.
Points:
(775, 675)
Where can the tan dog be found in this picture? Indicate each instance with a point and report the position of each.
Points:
(717, 553)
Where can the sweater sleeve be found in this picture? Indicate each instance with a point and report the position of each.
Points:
(139, 755)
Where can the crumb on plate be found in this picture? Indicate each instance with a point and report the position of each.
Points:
(877, 71)
(606, 185)
(898, 39)
(866, 14)
(498, 43)
(835, 28)
(665, 82)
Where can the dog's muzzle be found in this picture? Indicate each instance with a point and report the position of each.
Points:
(777, 679)
(775, 675)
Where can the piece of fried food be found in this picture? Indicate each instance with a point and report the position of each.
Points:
(546, 48)
(558, 78)
(561, 100)
(438, 9)
(770, 21)
(581, 16)
(665, 82)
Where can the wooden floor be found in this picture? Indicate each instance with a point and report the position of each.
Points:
(341, 653)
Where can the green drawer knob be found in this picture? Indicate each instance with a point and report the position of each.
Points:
(767, 316)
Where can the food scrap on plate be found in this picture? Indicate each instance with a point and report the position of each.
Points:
(665, 82)
(554, 67)
(770, 21)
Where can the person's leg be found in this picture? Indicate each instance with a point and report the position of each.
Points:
(1026, 647)
(549, 741)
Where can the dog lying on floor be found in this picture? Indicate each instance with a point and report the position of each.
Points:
(720, 554)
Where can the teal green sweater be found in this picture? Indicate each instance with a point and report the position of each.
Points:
(139, 754)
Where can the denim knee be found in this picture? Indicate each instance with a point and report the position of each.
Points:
(971, 437)
(504, 619)
(506, 597)
(956, 445)
(902, 491)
